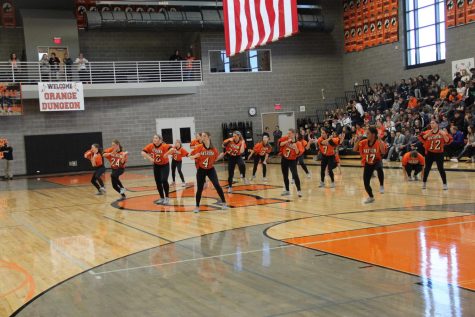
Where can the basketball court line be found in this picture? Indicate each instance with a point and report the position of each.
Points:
(138, 229)
(277, 247)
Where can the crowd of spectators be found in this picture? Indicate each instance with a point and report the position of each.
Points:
(401, 111)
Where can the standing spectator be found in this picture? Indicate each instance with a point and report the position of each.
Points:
(68, 64)
(45, 68)
(277, 135)
(81, 63)
(54, 63)
(7, 152)
(14, 66)
(266, 132)
(189, 66)
(176, 56)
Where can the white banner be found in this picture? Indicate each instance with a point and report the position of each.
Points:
(61, 96)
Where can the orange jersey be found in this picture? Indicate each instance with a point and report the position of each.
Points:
(360, 132)
(232, 148)
(179, 154)
(206, 157)
(434, 142)
(158, 153)
(116, 159)
(407, 159)
(304, 145)
(261, 149)
(329, 148)
(370, 154)
(96, 159)
(288, 152)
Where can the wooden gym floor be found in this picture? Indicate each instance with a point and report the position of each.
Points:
(66, 252)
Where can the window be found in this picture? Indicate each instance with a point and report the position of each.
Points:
(249, 61)
(425, 32)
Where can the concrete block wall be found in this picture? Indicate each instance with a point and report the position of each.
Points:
(386, 63)
(11, 41)
(301, 66)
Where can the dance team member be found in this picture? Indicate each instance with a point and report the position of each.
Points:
(206, 155)
(177, 157)
(261, 152)
(157, 153)
(117, 159)
(327, 145)
(234, 147)
(290, 148)
(412, 162)
(94, 155)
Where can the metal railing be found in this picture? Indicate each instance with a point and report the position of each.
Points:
(103, 72)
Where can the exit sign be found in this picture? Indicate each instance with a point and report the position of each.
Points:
(57, 40)
(277, 106)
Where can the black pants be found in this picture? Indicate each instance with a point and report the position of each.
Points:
(453, 149)
(292, 165)
(468, 151)
(328, 161)
(438, 158)
(368, 173)
(258, 159)
(161, 173)
(200, 183)
(302, 163)
(116, 183)
(233, 161)
(177, 165)
(417, 168)
(96, 179)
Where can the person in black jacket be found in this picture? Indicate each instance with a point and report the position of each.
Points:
(7, 153)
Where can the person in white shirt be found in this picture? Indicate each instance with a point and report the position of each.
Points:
(359, 108)
(81, 63)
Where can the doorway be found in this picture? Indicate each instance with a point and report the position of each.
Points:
(172, 129)
(285, 121)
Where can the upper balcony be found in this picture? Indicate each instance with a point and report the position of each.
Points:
(109, 79)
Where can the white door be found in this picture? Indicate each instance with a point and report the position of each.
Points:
(172, 129)
(286, 122)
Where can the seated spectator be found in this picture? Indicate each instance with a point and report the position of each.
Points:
(444, 92)
(454, 148)
(412, 162)
(13, 62)
(469, 148)
(397, 146)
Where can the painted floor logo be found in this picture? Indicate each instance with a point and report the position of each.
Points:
(183, 200)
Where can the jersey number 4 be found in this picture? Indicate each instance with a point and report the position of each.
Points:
(206, 162)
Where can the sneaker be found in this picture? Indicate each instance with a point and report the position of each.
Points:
(103, 190)
(454, 159)
(332, 185)
(424, 185)
(230, 190)
(122, 191)
(416, 178)
(322, 184)
(299, 193)
(265, 179)
(223, 205)
(253, 177)
(99, 193)
(166, 201)
(246, 181)
(410, 179)
(292, 181)
(285, 193)
(369, 200)
(381, 189)
(309, 175)
(196, 210)
(122, 198)
(183, 185)
(159, 201)
(172, 183)
(445, 187)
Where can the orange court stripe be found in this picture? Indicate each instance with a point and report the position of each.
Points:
(441, 249)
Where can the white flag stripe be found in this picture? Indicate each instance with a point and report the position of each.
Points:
(231, 28)
(242, 26)
(243, 19)
(255, 28)
(265, 21)
(276, 21)
(288, 18)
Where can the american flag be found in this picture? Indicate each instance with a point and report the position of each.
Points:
(251, 23)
